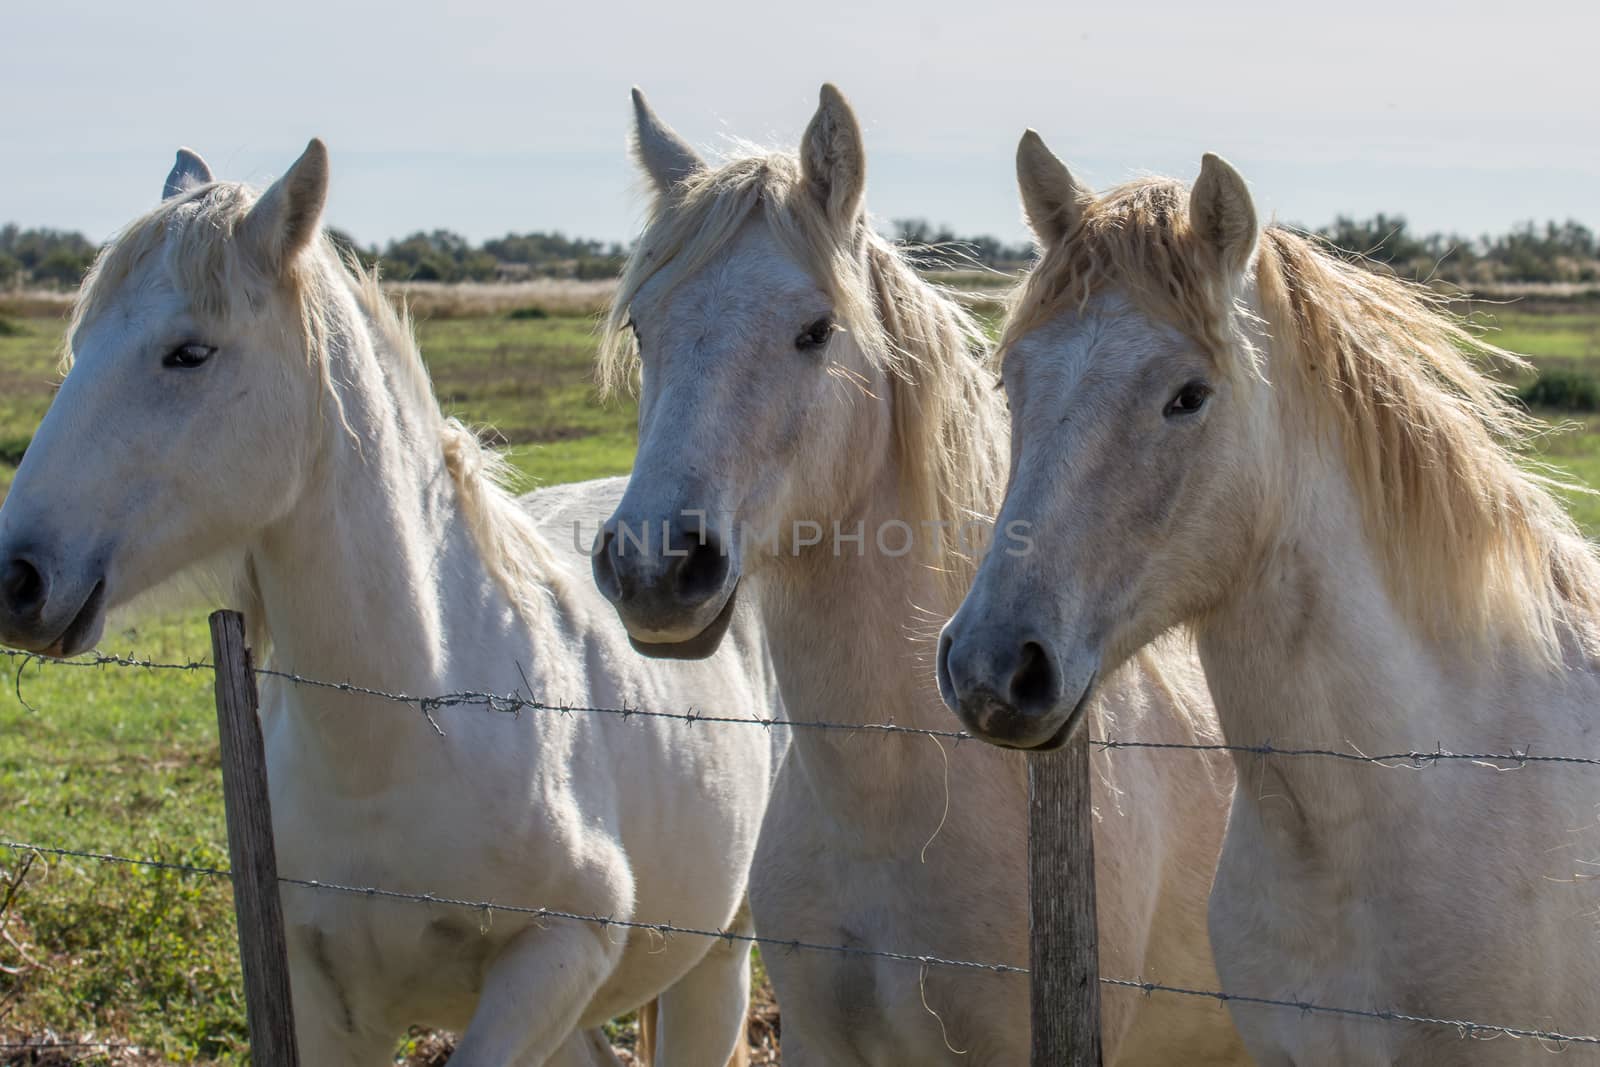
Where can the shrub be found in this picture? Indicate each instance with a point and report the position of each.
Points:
(13, 447)
(1563, 390)
(528, 313)
(63, 267)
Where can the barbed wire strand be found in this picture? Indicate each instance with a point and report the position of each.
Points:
(603, 921)
(64, 1046)
(1466, 1028)
(1413, 758)
(513, 704)
(99, 659)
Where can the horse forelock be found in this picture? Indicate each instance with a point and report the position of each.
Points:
(702, 217)
(1135, 238)
(193, 237)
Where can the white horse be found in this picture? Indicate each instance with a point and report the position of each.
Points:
(811, 409)
(1228, 428)
(239, 402)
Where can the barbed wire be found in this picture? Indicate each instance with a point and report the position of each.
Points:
(538, 913)
(98, 659)
(1466, 1028)
(514, 704)
(1413, 758)
(63, 1047)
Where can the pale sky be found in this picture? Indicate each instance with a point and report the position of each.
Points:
(490, 117)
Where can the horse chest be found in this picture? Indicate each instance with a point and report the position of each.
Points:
(426, 965)
(858, 1009)
(366, 958)
(1357, 922)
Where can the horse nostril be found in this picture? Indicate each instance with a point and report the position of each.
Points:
(704, 571)
(947, 684)
(604, 565)
(1033, 684)
(22, 586)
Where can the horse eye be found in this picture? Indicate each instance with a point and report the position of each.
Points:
(188, 356)
(816, 335)
(1187, 400)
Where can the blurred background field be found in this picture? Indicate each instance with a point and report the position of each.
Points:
(125, 760)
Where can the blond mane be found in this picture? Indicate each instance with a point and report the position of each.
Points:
(193, 235)
(949, 422)
(1473, 544)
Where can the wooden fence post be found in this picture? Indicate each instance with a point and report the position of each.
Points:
(263, 948)
(1064, 939)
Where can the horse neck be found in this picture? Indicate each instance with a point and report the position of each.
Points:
(854, 634)
(852, 641)
(1313, 649)
(351, 582)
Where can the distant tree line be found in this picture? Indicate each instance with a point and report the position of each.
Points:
(940, 248)
(1552, 252)
(52, 258)
(58, 258)
(1548, 252)
(443, 256)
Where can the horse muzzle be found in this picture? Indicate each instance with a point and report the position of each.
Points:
(46, 610)
(673, 585)
(1011, 690)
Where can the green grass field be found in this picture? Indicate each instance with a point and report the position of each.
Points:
(1559, 336)
(125, 760)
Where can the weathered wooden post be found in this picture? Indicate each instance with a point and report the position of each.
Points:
(263, 948)
(1064, 941)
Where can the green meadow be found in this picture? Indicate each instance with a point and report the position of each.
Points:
(124, 760)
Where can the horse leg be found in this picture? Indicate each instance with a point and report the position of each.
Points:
(649, 1024)
(328, 1028)
(534, 992)
(644, 1051)
(585, 1048)
(702, 1018)
(330, 1036)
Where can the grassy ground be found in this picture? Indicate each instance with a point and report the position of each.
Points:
(125, 761)
(1559, 336)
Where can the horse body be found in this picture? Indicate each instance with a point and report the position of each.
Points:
(583, 813)
(1225, 429)
(1445, 891)
(290, 443)
(760, 301)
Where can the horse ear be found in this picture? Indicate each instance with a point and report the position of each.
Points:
(1222, 212)
(1052, 200)
(665, 156)
(188, 171)
(833, 158)
(289, 214)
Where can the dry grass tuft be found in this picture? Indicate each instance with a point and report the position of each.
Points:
(462, 300)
